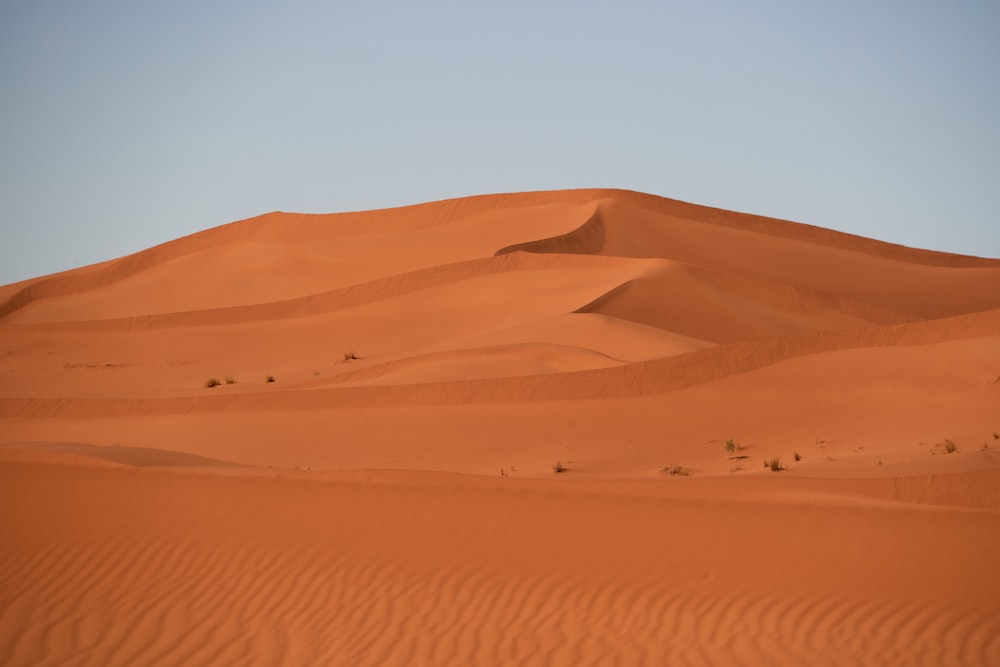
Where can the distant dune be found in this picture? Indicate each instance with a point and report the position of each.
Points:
(372, 480)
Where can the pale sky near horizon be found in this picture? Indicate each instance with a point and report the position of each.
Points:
(127, 124)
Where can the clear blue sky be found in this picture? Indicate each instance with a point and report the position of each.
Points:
(125, 124)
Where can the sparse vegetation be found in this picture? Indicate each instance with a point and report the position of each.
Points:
(350, 356)
(996, 436)
(946, 446)
(212, 382)
(730, 446)
(558, 467)
(798, 457)
(269, 378)
(677, 470)
(230, 380)
(774, 465)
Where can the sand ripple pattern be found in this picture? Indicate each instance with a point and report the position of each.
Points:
(196, 569)
(158, 604)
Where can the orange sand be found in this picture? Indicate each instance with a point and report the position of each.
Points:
(401, 507)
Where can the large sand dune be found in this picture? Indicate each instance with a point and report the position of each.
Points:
(390, 497)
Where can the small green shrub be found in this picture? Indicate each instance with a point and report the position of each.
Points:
(730, 446)
(212, 382)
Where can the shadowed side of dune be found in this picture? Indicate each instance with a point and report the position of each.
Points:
(708, 305)
(587, 239)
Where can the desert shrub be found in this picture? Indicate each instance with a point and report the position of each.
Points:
(950, 447)
(230, 380)
(269, 378)
(730, 446)
(798, 457)
(350, 356)
(677, 470)
(212, 382)
(558, 467)
(774, 465)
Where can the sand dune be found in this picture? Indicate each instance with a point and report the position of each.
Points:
(389, 498)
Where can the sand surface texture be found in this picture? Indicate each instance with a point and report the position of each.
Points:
(373, 480)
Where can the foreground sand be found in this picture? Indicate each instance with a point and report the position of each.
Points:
(390, 497)
(112, 565)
